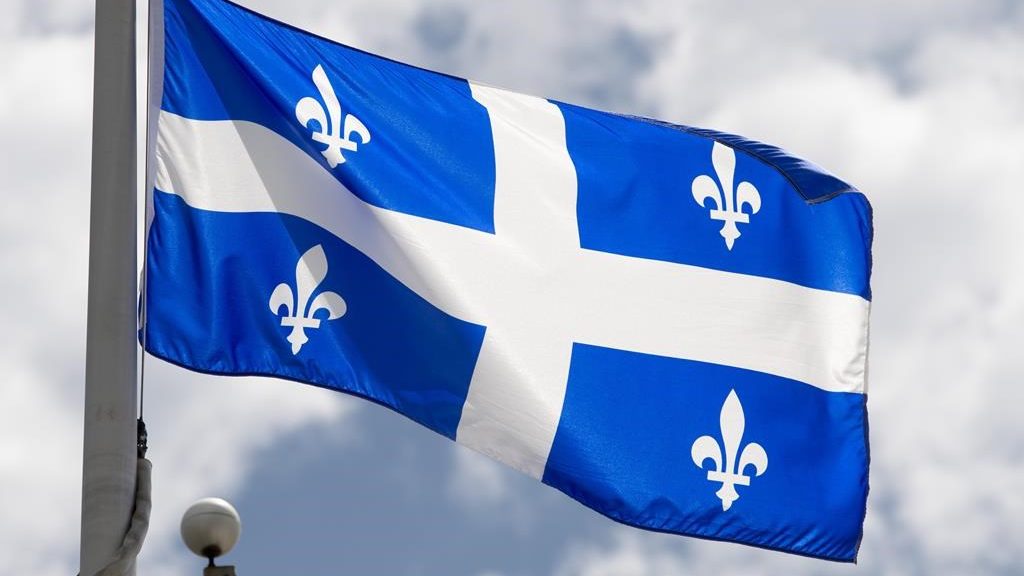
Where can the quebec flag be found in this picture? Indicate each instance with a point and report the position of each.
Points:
(668, 324)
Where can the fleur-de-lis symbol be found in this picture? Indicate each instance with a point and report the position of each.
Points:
(729, 472)
(328, 128)
(300, 311)
(728, 205)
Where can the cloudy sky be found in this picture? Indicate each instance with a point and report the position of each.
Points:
(918, 103)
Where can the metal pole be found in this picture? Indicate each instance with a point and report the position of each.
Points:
(109, 463)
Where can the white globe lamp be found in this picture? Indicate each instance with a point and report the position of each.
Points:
(210, 528)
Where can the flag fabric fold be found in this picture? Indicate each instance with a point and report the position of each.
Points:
(668, 324)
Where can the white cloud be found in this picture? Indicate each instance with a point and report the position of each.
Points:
(477, 481)
(42, 231)
(489, 492)
(629, 554)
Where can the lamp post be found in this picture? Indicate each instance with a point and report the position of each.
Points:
(210, 528)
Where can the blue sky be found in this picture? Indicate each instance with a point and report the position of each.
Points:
(918, 103)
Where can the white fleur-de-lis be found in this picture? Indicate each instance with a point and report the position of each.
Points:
(300, 311)
(329, 128)
(728, 471)
(728, 202)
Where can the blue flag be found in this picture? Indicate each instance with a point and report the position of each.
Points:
(668, 324)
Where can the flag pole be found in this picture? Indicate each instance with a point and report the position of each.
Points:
(109, 454)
